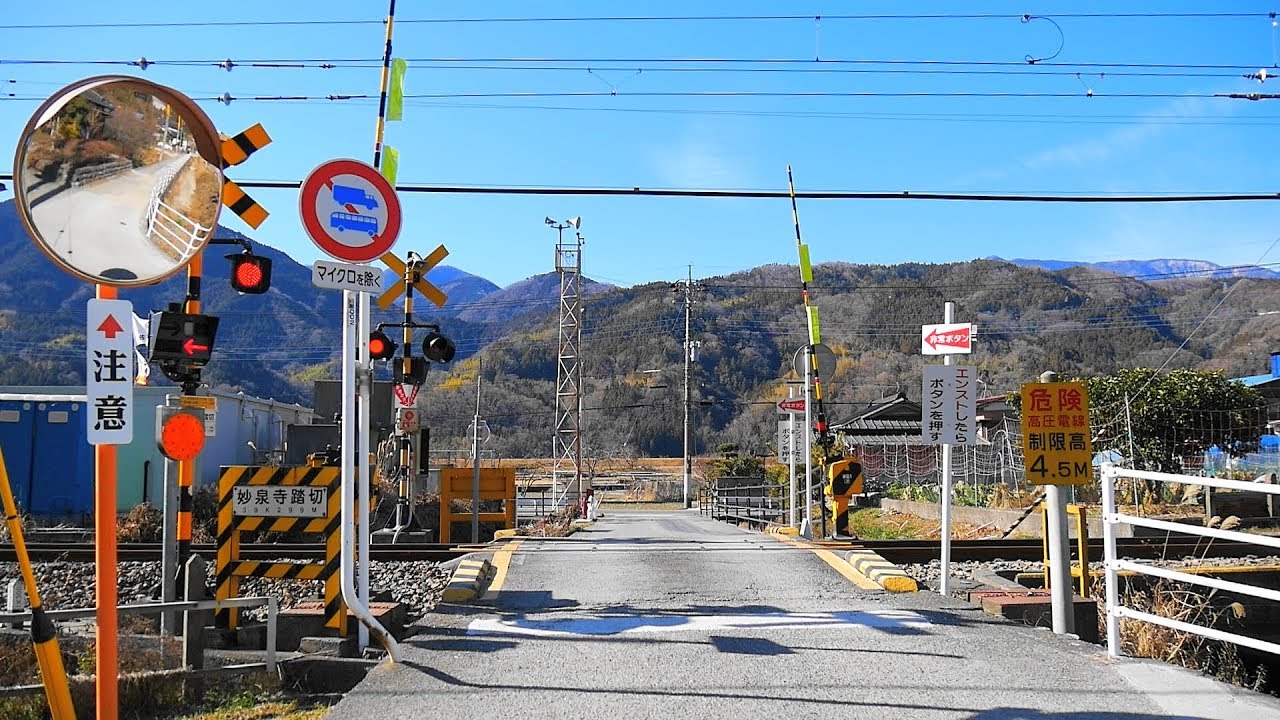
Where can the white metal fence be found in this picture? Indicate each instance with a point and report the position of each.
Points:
(1111, 517)
(168, 225)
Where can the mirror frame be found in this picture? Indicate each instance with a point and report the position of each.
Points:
(208, 146)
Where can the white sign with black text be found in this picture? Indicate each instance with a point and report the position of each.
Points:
(332, 275)
(949, 404)
(279, 501)
(109, 372)
(791, 443)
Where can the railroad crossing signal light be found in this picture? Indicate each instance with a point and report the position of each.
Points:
(381, 347)
(179, 432)
(438, 348)
(250, 274)
(182, 338)
(417, 372)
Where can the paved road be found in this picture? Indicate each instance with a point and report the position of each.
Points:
(668, 614)
(100, 228)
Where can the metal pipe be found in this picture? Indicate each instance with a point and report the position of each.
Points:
(1059, 562)
(350, 325)
(944, 583)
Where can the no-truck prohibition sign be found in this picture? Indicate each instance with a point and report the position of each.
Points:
(350, 211)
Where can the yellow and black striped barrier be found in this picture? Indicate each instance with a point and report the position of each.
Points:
(279, 499)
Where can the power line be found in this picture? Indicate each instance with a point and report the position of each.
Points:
(641, 19)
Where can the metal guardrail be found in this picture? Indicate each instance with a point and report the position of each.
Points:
(730, 499)
(1111, 517)
(186, 606)
(85, 174)
(169, 225)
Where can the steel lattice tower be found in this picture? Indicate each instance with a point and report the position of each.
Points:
(567, 441)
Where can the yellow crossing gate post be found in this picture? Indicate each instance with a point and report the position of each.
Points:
(279, 499)
(1082, 545)
(495, 484)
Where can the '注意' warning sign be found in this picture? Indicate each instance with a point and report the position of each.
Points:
(1055, 434)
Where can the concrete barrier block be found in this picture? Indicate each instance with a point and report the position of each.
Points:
(880, 571)
(469, 581)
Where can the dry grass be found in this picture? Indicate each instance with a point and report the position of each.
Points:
(1168, 599)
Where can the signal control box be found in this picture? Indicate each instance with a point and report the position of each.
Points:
(844, 478)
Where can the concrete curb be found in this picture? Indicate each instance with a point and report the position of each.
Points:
(782, 530)
(469, 581)
(880, 571)
(506, 534)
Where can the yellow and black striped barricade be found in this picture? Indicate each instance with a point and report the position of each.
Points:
(495, 484)
(279, 499)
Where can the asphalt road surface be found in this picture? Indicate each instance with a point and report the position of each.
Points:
(672, 615)
(100, 228)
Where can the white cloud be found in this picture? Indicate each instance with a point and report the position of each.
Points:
(701, 160)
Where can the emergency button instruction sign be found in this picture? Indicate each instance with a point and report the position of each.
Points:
(109, 372)
(950, 404)
(1055, 434)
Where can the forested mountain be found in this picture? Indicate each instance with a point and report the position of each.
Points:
(1078, 321)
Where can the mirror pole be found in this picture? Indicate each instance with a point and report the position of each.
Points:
(104, 532)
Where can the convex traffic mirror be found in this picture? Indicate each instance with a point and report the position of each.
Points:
(118, 180)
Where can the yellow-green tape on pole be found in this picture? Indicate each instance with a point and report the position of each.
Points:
(806, 270)
(395, 96)
(390, 164)
(44, 636)
(815, 333)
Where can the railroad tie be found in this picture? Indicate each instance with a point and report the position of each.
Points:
(881, 571)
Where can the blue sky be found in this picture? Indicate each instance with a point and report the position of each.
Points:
(1183, 143)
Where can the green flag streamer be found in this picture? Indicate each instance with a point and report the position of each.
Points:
(390, 164)
(395, 98)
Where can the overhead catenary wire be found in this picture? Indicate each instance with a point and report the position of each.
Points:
(809, 17)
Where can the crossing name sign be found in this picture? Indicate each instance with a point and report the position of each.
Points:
(109, 372)
(1055, 434)
(946, 339)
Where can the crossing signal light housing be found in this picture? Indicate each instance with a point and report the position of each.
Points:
(438, 348)
(184, 339)
(417, 372)
(250, 274)
(381, 347)
(179, 432)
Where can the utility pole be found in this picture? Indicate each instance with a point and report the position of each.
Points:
(690, 354)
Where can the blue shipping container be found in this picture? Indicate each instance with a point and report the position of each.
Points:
(49, 462)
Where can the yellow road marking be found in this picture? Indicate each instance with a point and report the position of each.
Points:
(836, 562)
(501, 561)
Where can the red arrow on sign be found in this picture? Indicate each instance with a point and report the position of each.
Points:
(794, 405)
(110, 327)
(190, 347)
(956, 338)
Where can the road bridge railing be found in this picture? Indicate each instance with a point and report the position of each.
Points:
(1111, 517)
(750, 500)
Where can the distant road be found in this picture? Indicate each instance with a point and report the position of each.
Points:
(100, 228)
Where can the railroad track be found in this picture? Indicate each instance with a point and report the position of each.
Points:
(897, 551)
(84, 552)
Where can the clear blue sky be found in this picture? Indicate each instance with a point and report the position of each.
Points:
(1078, 144)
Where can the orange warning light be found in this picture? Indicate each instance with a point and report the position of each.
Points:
(179, 433)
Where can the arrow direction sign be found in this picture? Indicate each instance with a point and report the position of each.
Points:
(110, 327)
(791, 405)
(190, 346)
(946, 339)
(109, 373)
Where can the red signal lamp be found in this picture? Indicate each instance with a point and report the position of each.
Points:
(381, 347)
(179, 432)
(250, 274)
